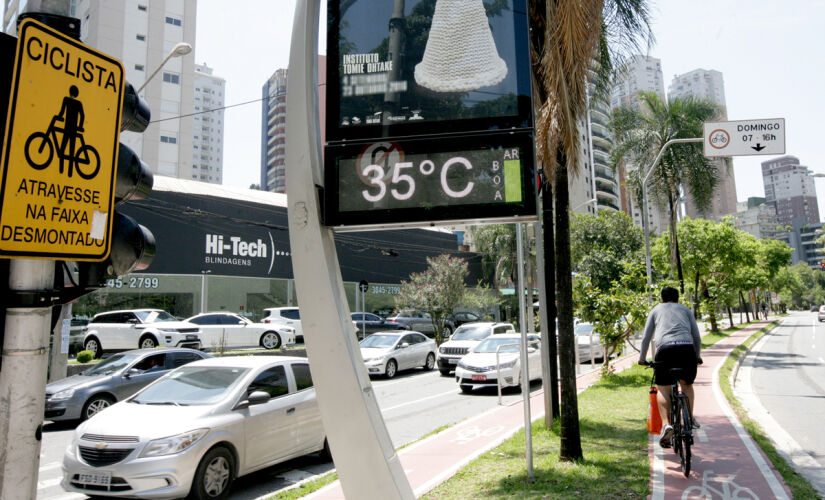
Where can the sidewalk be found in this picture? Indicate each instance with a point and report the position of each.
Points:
(726, 463)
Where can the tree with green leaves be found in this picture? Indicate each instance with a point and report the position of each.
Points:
(639, 135)
(497, 245)
(601, 243)
(437, 290)
(573, 46)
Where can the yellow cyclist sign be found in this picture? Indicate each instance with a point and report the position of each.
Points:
(60, 149)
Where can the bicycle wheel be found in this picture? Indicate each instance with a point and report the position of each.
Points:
(39, 150)
(687, 435)
(89, 159)
(675, 442)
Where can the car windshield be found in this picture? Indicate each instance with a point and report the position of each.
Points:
(192, 385)
(379, 341)
(471, 332)
(583, 329)
(492, 343)
(111, 365)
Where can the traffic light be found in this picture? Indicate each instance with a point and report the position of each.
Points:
(822, 266)
(133, 245)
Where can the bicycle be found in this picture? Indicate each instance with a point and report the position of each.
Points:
(39, 159)
(681, 421)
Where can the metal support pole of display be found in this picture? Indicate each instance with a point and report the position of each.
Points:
(525, 377)
(645, 222)
(365, 459)
(544, 320)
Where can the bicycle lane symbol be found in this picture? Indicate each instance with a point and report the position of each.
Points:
(40, 147)
(470, 434)
(727, 489)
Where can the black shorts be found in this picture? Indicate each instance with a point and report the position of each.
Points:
(681, 357)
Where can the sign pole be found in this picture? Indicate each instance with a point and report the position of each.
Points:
(23, 380)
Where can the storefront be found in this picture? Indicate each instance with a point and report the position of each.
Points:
(221, 248)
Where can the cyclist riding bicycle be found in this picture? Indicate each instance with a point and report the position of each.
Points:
(673, 328)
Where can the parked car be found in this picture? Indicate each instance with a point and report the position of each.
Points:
(82, 396)
(418, 321)
(138, 328)
(369, 323)
(459, 318)
(288, 316)
(814, 308)
(478, 367)
(198, 429)
(588, 342)
(386, 353)
(821, 314)
(232, 331)
(465, 338)
(77, 331)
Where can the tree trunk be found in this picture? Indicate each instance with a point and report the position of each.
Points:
(550, 285)
(571, 448)
(730, 316)
(711, 307)
(745, 307)
(696, 297)
(675, 241)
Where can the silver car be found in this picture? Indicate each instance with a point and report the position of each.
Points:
(198, 429)
(385, 353)
(81, 396)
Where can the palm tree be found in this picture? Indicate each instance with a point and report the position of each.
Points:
(566, 38)
(497, 243)
(638, 137)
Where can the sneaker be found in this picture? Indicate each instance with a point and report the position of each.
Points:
(664, 437)
(694, 424)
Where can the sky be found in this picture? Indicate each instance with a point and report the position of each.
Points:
(770, 55)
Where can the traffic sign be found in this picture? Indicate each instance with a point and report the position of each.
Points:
(60, 149)
(745, 137)
(363, 285)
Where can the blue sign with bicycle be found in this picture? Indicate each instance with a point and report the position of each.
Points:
(60, 149)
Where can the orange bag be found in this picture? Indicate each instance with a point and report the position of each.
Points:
(654, 420)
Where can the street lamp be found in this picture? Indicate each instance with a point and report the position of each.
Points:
(644, 204)
(588, 202)
(181, 49)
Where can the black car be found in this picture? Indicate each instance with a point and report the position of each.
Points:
(368, 323)
(457, 319)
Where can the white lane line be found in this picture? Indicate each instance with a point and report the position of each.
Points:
(702, 435)
(822, 361)
(408, 403)
(380, 384)
(658, 492)
(48, 483)
(50, 466)
(770, 477)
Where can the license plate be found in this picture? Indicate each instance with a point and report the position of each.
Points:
(480, 377)
(191, 337)
(452, 361)
(97, 478)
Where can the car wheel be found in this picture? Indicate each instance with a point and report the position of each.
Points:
(325, 454)
(445, 373)
(95, 405)
(271, 340)
(429, 364)
(214, 475)
(391, 369)
(466, 389)
(92, 344)
(147, 342)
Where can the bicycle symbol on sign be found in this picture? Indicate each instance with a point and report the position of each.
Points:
(40, 146)
(727, 491)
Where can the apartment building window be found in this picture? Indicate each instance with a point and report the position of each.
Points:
(168, 139)
(142, 38)
(173, 21)
(142, 8)
(171, 78)
(138, 67)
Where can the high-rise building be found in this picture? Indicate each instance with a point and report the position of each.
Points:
(757, 218)
(141, 34)
(639, 74)
(790, 188)
(273, 126)
(207, 152)
(709, 85)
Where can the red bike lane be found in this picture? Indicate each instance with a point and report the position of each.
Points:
(726, 463)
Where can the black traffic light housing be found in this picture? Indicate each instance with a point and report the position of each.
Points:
(133, 245)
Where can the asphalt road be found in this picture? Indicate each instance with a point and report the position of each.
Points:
(414, 404)
(782, 383)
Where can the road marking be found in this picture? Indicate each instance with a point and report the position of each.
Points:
(48, 483)
(702, 435)
(822, 361)
(385, 410)
(387, 383)
(53, 465)
(658, 469)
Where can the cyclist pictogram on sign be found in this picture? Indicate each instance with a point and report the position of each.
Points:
(40, 146)
(60, 149)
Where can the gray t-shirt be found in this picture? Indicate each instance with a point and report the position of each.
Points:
(672, 323)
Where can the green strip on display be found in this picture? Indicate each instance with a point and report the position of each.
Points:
(512, 181)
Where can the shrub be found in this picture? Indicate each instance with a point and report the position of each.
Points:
(85, 356)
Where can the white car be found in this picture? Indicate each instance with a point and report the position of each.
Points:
(478, 368)
(196, 430)
(385, 353)
(465, 338)
(588, 343)
(232, 330)
(288, 316)
(138, 329)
